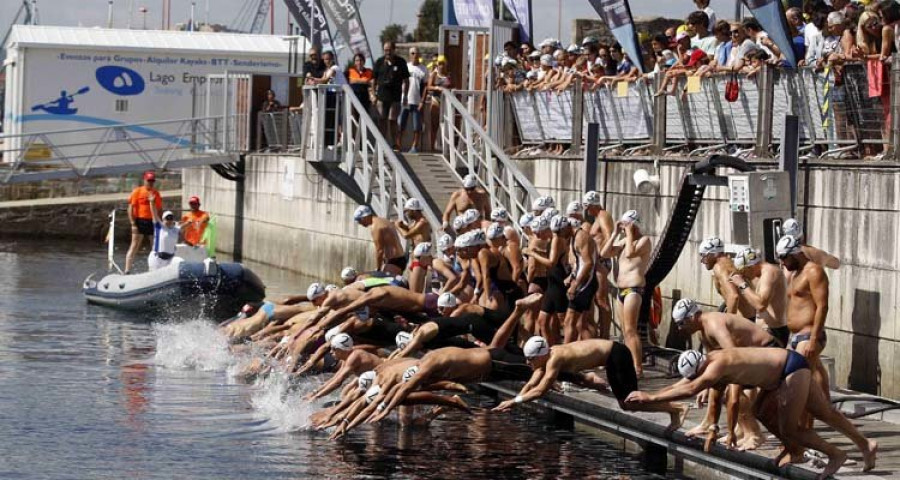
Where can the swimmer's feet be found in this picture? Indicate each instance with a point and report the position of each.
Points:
(789, 456)
(869, 456)
(530, 300)
(677, 417)
(460, 403)
(697, 432)
(750, 443)
(834, 464)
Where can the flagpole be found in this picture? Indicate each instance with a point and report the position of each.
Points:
(559, 19)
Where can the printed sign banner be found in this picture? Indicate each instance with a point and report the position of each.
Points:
(770, 14)
(473, 13)
(347, 29)
(312, 22)
(521, 9)
(617, 16)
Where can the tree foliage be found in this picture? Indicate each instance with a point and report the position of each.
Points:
(393, 33)
(431, 15)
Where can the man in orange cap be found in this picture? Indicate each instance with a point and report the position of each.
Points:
(194, 222)
(141, 216)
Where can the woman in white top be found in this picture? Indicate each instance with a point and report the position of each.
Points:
(165, 238)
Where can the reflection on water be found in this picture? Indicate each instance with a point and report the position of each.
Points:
(94, 393)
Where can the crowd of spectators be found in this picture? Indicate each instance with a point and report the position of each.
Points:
(823, 34)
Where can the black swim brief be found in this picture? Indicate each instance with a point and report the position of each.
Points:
(799, 338)
(508, 366)
(794, 362)
(470, 323)
(620, 371)
(399, 262)
(782, 334)
(144, 226)
(625, 292)
(584, 297)
(555, 300)
(541, 282)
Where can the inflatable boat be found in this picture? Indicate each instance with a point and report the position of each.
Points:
(191, 283)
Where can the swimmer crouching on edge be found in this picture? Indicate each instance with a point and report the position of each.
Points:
(784, 378)
(576, 357)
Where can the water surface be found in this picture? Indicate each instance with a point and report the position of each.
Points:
(88, 392)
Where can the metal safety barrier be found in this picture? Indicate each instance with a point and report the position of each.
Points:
(839, 112)
(338, 129)
(118, 149)
(279, 131)
(467, 148)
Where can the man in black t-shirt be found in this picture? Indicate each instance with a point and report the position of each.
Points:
(391, 80)
(314, 67)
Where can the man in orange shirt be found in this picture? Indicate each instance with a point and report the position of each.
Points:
(194, 222)
(140, 216)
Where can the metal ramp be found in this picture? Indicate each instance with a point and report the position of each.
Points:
(439, 181)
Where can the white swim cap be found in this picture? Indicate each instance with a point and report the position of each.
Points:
(499, 215)
(525, 220)
(372, 393)
(711, 245)
(330, 288)
(477, 238)
(557, 223)
(684, 309)
(447, 300)
(410, 372)
(631, 216)
(462, 241)
(459, 223)
(362, 212)
(348, 274)
(536, 346)
(550, 213)
(365, 380)
(540, 224)
(402, 339)
(413, 204)
(331, 333)
(574, 208)
(342, 341)
(747, 257)
(788, 245)
(547, 60)
(575, 223)
(495, 230)
(167, 214)
(444, 242)
(592, 198)
(470, 181)
(541, 203)
(471, 215)
(315, 291)
(791, 227)
(422, 250)
(689, 363)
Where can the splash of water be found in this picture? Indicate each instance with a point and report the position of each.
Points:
(284, 407)
(196, 344)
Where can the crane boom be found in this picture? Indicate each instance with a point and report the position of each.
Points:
(262, 11)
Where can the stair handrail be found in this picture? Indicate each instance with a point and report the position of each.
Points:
(367, 156)
(480, 155)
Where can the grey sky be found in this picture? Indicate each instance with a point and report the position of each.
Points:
(376, 13)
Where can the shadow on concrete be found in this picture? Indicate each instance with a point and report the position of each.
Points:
(865, 372)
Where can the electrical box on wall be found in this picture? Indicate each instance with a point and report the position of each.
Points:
(759, 203)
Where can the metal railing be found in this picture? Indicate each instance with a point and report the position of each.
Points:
(279, 131)
(837, 108)
(117, 149)
(467, 147)
(337, 128)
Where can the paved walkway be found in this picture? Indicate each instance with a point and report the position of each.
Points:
(602, 411)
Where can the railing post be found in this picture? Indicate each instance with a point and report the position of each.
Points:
(660, 111)
(766, 82)
(894, 133)
(491, 181)
(577, 116)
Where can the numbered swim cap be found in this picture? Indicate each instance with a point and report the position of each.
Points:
(349, 274)
(412, 204)
(631, 216)
(747, 257)
(402, 339)
(536, 346)
(689, 363)
(791, 227)
(557, 223)
(372, 393)
(684, 309)
(447, 300)
(422, 250)
(574, 208)
(315, 291)
(410, 372)
(525, 220)
(471, 216)
(362, 212)
(788, 245)
(499, 215)
(331, 333)
(711, 245)
(365, 380)
(494, 231)
(342, 341)
(591, 198)
(444, 242)
(470, 181)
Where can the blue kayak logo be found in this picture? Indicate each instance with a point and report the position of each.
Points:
(120, 80)
(62, 105)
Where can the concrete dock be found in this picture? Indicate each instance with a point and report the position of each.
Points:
(678, 454)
